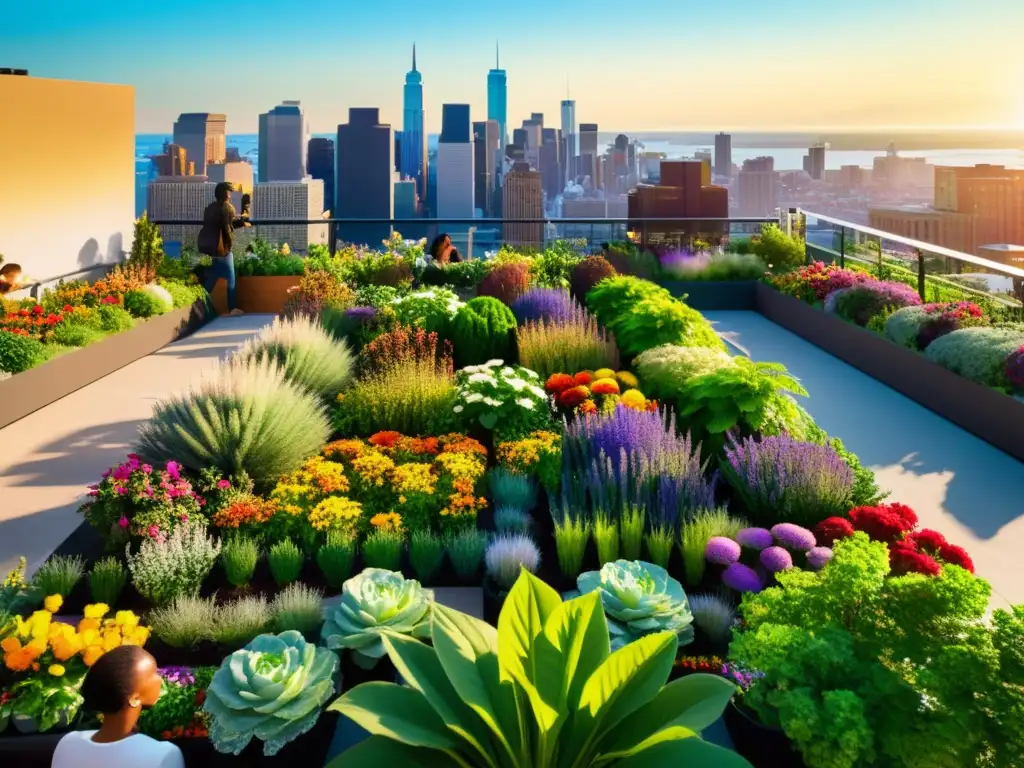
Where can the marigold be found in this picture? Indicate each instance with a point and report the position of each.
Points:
(604, 373)
(96, 611)
(558, 382)
(573, 396)
(56, 670)
(92, 654)
(586, 407)
(10, 645)
(53, 603)
(387, 521)
(386, 439)
(65, 648)
(583, 378)
(346, 449)
(373, 468)
(456, 443)
(247, 510)
(634, 398)
(126, 619)
(461, 465)
(328, 476)
(605, 387)
(627, 379)
(111, 639)
(413, 478)
(18, 661)
(336, 513)
(86, 625)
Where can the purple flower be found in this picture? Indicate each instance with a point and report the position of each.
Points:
(755, 538)
(741, 578)
(361, 314)
(721, 550)
(123, 522)
(223, 485)
(174, 470)
(684, 264)
(776, 559)
(863, 301)
(819, 557)
(550, 304)
(177, 675)
(793, 536)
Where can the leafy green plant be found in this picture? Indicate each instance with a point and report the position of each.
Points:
(183, 294)
(19, 353)
(606, 539)
(147, 246)
(183, 622)
(240, 621)
(694, 537)
(659, 541)
(426, 553)
(267, 261)
(663, 369)
(628, 259)
(631, 531)
(376, 604)
(482, 330)
(107, 580)
(114, 319)
(59, 575)
(461, 275)
(777, 249)
(75, 334)
(285, 561)
(466, 551)
(580, 704)
(144, 304)
(553, 267)
(271, 690)
(502, 398)
(431, 310)
(239, 556)
(298, 607)
(383, 549)
(335, 558)
(978, 354)
(571, 537)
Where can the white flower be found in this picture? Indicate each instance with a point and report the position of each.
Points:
(473, 397)
(494, 363)
(492, 402)
(483, 378)
(506, 371)
(458, 409)
(525, 402)
(516, 384)
(528, 372)
(538, 391)
(420, 263)
(471, 369)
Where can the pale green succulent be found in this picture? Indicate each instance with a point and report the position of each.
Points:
(273, 690)
(639, 598)
(376, 601)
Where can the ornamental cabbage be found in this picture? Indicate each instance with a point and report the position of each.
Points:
(273, 690)
(374, 602)
(639, 598)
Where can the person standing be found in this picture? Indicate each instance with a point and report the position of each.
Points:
(215, 239)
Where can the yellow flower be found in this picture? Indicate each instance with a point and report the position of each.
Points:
(40, 624)
(53, 603)
(89, 636)
(412, 478)
(137, 636)
(87, 624)
(126, 619)
(24, 627)
(604, 373)
(336, 513)
(373, 467)
(92, 654)
(285, 250)
(627, 379)
(387, 521)
(96, 611)
(634, 398)
(111, 640)
(65, 648)
(36, 648)
(56, 670)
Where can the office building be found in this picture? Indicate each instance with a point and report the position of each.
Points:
(412, 153)
(300, 200)
(173, 162)
(523, 198)
(204, 138)
(485, 157)
(814, 162)
(569, 149)
(406, 200)
(320, 165)
(723, 155)
(681, 194)
(455, 195)
(903, 174)
(364, 175)
(238, 174)
(551, 162)
(282, 143)
(533, 134)
(757, 187)
(181, 198)
(588, 149)
(497, 97)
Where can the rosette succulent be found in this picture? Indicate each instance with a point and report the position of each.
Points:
(373, 602)
(273, 689)
(639, 598)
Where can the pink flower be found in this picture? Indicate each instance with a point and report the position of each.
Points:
(94, 493)
(93, 487)
(184, 517)
(223, 485)
(174, 470)
(121, 490)
(123, 522)
(153, 531)
(147, 468)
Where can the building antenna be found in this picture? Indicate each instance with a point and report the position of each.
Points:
(414, 57)
(497, 63)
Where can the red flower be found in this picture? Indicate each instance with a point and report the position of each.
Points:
(605, 387)
(385, 439)
(905, 512)
(587, 406)
(886, 522)
(558, 382)
(583, 378)
(23, 312)
(928, 540)
(903, 561)
(68, 308)
(38, 309)
(572, 397)
(954, 555)
(830, 530)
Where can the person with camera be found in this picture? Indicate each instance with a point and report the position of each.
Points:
(215, 238)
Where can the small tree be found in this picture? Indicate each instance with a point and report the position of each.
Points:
(147, 246)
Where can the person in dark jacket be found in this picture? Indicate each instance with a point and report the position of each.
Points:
(215, 237)
(443, 251)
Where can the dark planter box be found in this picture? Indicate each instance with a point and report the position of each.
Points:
(36, 388)
(994, 417)
(763, 746)
(709, 296)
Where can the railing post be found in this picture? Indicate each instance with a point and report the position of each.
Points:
(921, 285)
(842, 247)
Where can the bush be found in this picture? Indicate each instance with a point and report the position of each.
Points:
(402, 346)
(162, 295)
(553, 267)
(240, 621)
(285, 561)
(628, 259)
(107, 580)
(461, 275)
(978, 354)
(505, 399)
(860, 303)
(114, 319)
(239, 557)
(777, 249)
(431, 310)
(164, 569)
(317, 290)
(335, 558)
(506, 282)
(19, 353)
(246, 418)
(903, 325)
(1014, 370)
(75, 334)
(298, 607)
(383, 549)
(426, 553)
(142, 304)
(374, 268)
(662, 369)
(185, 621)
(813, 283)
(182, 294)
(267, 261)
(946, 318)
(59, 575)
(588, 273)
(554, 305)
(482, 331)
(577, 344)
(713, 267)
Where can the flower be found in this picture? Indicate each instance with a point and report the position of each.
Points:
(794, 537)
(573, 396)
(387, 521)
(56, 670)
(722, 550)
(604, 373)
(53, 603)
(223, 485)
(458, 409)
(903, 561)
(886, 522)
(558, 382)
(583, 378)
(336, 513)
(831, 529)
(92, 654)
(776, 559)
(634, 398)
(525, 402)
(954, 555)
(605, 387)
(818, 557)
(627, 379)
(928, 540)
(741, 578)
(755, 538)
(96, 611)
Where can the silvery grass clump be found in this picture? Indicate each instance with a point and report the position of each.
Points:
(298, 607)
(245, 417)
(167, 567)
(507, 555)
(511, 520)
(59, 575)
(310, 356)
(714, 615)
(241, 621)
(512, 489)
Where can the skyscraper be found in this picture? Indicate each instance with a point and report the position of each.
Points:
(282, 144)
(814, 162)
(485, 157)
(180, 198)
(551, 162)
(534, 132)
(413, 160)
(237, 172)
(757, 187)
(364, 175)
(588, 164)
(569, 137)
(723, 155)
(455, 197)
(203, 135)
(523, 198)
(300, 200)
(320, 165)
(173, 162)
(497, 97)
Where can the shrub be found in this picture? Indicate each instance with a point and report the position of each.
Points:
(114, 319)
(506, 282)
(554, 305)
(628, 259)
(162, 295)
(401, 346)
(507, 554)
(308, 355)
(662, 369)
(375, 268)
(317, 290)
(383, 549)
(19, 353)
(335, 558)
(431, 310)
(239, 556)
(285, 561)
(59, 575)
(298, 607)
(267, 261)
(182, 294)
(75, 334)
(862, 302)
(185, 621)
(903, 325)
(572, 533)
(505, 399)
(462, 275)
(511, 520)
(466, 551)
(946, 318)
(512, 489)
(107, 580)
(426, 553)
(777, 249)
(245, 418)
(978, 354)
(588, 273)
(240, 621)
(578, 344)
(482, 331)
(712, 267)
(142, 304)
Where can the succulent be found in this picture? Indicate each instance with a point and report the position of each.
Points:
(639, 598)
(273, 690)
(372, 603)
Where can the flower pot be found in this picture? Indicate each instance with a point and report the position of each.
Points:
(494, 599)
(25, 724)
(256, 294)
(764, 746)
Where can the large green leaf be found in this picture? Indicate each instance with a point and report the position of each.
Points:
(378, 751)
(468, 651)
(691, 753)
(419, 666)
(396, 712)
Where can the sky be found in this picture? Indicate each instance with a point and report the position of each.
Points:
(655, 65)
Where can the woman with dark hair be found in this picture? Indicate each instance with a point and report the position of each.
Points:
(443, 251)
(121, 683)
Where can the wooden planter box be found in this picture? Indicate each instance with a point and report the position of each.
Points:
(260, 295)
(707, 295)
(995, 417)
(37, 387)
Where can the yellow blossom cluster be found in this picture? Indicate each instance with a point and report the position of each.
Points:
(336, 513)
(387, 521)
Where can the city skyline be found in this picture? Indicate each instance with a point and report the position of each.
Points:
(902, 83)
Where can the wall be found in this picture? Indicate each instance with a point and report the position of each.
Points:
(67, 174)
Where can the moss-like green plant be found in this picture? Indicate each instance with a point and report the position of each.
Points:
(606, 538)
(482, 330)
(978, 354)
(426, 553)
(239, 557)
(631, 532)
(144, 304)
(75, 334)
(466, 551)
(383, 549)
(571, 537)
(285, 561)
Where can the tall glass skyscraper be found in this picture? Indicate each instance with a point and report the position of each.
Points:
(497, 98)
(413, 161)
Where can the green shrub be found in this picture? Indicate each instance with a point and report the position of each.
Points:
(461, 275)
(147, 246)
(978, 354)
(182, 294)
(466, 551)
(239, 557)
(75, 334)
(285, 561)
(19, 353)
(426, 553)
(335, 558)
(266, 260)
(482, 331)
(577, 344)
(383, 549)
(554, 266)
(778, 249)
(144, 304)
(184, 622)
(298, 607)
(59, 575)
(114, 319)
(628, 259)
(431, 310)
(107, 581)
(662, 369)
(723, 267)
(378, 296)
(571, 537)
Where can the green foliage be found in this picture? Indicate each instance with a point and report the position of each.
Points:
(376, 268)
(466, 551)
(978, 353)
(571, 537)
(631, 531)
(240, 621)
(553, 267)
(542, 690)
(431, 310)
(184, 622)
(285, 561)
(643, 315)
(59, 575)
(239, 557)
(383, 549)
(335, 558)
(511, 520)
(662, 369)
(298, 607)
(461, 275)
(777, 249)
(143, 304)
(482, 330)
(183, 294)
(107, 580)
(426, 553)
(75, 334)
(628, 259)
(114, 319)
(578, 344)
(660, 542)
(722, 268)
(512, 489)
(147, 247)
(378, 296)
(694, 536)
(19, 353)
(606, 539)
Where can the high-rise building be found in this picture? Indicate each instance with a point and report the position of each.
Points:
(282, 144)
(903, 174)
(181, 198)
(173, 162)
(534, 133)
(723, 155)
(405, 201)
(497, 97)
(413, 153)
(814, 162)
(320, 165)
(204, 137)
(364, 175)
(569, 138)
(300, 200)
(455, 197)
(485, 155)
(757, 187)
(588, 164)
(551, 161)
(523, 198)
(537, 117)
(681, 194)
(238, 174)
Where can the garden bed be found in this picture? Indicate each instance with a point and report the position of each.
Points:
(37, 387)
(715, 295)
(257, 295)
(989, 414)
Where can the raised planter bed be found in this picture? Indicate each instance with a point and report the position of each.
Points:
(714, 295)
(36, 388)
(261, 295)
(993, 416)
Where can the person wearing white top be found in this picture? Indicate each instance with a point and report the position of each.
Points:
(119, 685)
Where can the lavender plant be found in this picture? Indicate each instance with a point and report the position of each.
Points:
(554, 305)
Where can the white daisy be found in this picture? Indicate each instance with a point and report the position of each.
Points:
(528, 372)
(473, 397)
(483, 378)
(538, 391)
(516, 384)
(506, 371)
(492, 402)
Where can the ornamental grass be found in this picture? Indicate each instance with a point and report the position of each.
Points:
(575, 344)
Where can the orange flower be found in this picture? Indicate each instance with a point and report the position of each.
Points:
(558, 382)
(583, 378)
(386, 439)
(587, 406)
(86, 624)
(92, 654)
(347, 449)
(10, 645)
(605, 387)
(573, 396)
(18, 661)
(247, 510)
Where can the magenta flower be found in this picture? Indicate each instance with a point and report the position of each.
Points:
(153, 531)
(223, 485)
(93, 493)
(819, 557)
(123, 522)
(147, 468)
(741, 578)
(776, 559)
(121, 490)
(184, 517)
(755, 538)
(792, 536)
(721, 550)
(173, 470)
